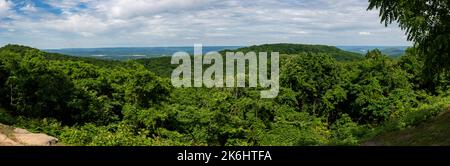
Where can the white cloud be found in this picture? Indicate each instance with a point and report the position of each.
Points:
(98, 23)
(82, 24)
(127, 8)
(29, 8)
(4, 8)
(364, 33)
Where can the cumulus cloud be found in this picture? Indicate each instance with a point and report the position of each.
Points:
(92, 23)
(82, 24)
(4, 8)
(127, 8)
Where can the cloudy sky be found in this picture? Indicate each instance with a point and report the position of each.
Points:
(114, 23)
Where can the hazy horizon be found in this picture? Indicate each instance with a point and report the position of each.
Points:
(156, 46)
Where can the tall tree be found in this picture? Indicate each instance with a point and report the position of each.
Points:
(427, 23)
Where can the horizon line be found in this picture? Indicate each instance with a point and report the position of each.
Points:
(109, 47)
(155, 46)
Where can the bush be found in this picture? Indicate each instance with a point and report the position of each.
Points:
(420, 114)
(112, 135)
(343, 131)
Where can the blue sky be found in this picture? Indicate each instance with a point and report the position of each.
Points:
(124, 23)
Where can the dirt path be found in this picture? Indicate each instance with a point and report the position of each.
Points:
(10, 136)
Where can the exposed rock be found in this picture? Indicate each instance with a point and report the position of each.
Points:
(5, 141)
(18, 136)
(28, 138)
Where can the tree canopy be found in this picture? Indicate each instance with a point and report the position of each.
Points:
(322, 101)
(427, 23)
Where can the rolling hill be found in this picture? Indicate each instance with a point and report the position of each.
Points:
(392, 51)
(162, 67)
(285, 48)
(58, 56)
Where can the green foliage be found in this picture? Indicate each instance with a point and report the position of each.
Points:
(412, 64)
(426, 125)
(112, 135)
(73, 91)
(160, 65)
(290, 49)
(6, 118)
(317, 81)
(322, 101)
(418, 115)
(427, 23)
(35, 90)
(21, 50)
(344, 130)
(296, 128)
(378, 90)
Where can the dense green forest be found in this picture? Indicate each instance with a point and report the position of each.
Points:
(162, 67)
(286, 48)
(323, 100)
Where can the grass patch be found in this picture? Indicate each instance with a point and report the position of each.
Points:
(434, 132)
(427, 125)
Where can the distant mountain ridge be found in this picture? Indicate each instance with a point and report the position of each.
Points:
(392, 51)
(288, 48)
(124, 53)
(160, 65)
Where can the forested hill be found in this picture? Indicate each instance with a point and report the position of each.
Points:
(22, 50)
(161, 65)
(285, 48)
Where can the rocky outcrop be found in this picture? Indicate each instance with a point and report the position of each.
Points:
(6, 141)
(10, 136)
